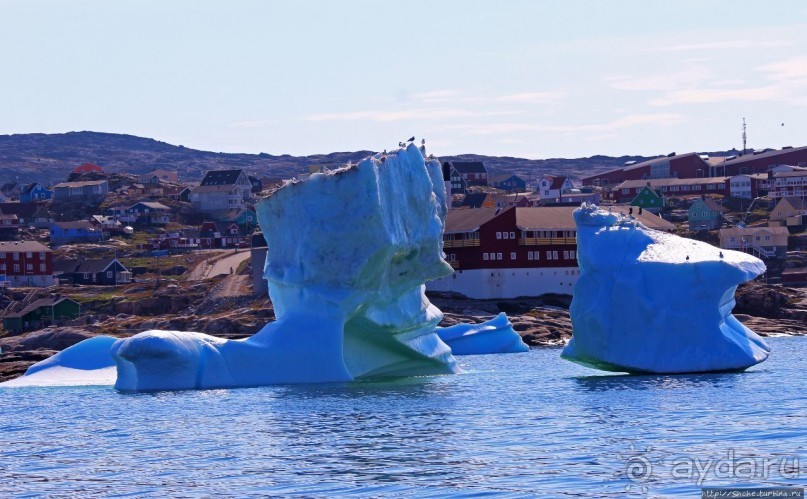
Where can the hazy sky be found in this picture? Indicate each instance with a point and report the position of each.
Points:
(532, 79)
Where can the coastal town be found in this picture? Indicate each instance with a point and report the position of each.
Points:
(119, 253)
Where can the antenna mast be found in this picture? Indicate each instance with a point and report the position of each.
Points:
(744, 136)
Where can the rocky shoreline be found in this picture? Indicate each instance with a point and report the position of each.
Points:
(544, 321)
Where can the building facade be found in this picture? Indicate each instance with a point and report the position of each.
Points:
(26, 263)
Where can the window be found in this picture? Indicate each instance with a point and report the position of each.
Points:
(3, 267)
(498, 256)
(29, 266)
(505, 235)
(29, 255)
(42, 255)
(86, 275)
(484, 256)
(16, 267)
(452, 257)
(498, 235)
(530, 255)
(512, 235)
(41, 267)
(513, 255)
(3, 254)
(109, 274)
(573, 254)
(16, 256)
(548, 255)
(565, 255)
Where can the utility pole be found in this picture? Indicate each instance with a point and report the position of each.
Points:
(744, 136)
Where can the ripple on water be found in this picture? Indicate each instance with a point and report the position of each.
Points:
(517, 425)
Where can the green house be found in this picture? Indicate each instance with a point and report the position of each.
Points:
(42, 313)
(649, 200)
(245, 218)
(705, 214)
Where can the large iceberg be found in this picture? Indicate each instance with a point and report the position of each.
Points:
(349, 251)
(652, 302)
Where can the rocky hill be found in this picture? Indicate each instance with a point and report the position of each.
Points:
(49, 158)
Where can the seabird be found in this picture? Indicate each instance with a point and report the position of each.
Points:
(721, 254)
(411, 139)
(687, 257)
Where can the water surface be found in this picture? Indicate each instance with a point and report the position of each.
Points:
(518, 424)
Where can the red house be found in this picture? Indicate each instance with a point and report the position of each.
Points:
(689, 165)
(512, 252)
(88, 168)
(26, 263)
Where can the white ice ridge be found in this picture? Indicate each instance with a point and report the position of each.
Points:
(349, 251)
(86, 363)
(647, 301)
(494, 336)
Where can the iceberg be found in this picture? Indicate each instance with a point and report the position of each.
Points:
(652, 302)
(349, 251)
(494, 336)
(88, 362)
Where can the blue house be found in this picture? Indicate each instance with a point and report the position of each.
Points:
(74, 232)
(509, 182)
(35, 192)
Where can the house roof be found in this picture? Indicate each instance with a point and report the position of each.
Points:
(538, 218)
(710, 203)
(31, 246)
(30, 187)
(796, 202)
(87, 167)
(501, 177)
(666, 182)
(80, 224)
(42, 302)
(475, 199)
(659, 160)
(557, 182)
(154, 205)
(174, 189)
(763, 155)
(220, 177)
(80, 184)
(561, 217)
(469, 220)
(468, 166)
(213, 188)
(9, 217)
(744, 231)
(794, 173)
(95, 266)
(64, 266)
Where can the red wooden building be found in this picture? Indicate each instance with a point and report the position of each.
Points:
(26, 263)
(507, 253)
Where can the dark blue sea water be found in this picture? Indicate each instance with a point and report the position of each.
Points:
(519, 425)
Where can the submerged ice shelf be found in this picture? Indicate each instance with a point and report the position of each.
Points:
(647, 301)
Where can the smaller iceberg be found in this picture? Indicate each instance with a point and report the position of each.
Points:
(494, 336)
(651, 302)
(88, 362)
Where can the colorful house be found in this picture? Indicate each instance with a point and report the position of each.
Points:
(763, 242)
(87, 168)
(648, 199)
(26, 263)
(91, 191)
(101, 272)
(74, 232)
(705, 214)
(508, 182)
(789, 211)
(42, 313)
(479, 200)
(150, 213)
(35, 192)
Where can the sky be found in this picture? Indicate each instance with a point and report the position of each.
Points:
(533, 79)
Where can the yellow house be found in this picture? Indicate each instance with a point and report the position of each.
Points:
(788, 212)
(764, 242)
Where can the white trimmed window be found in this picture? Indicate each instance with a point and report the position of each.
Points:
(498, 235)
(512, 235)
(499, 256)
(484, 256)
(513, 255)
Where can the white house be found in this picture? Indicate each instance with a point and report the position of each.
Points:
(222, 190)
(552, 187)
